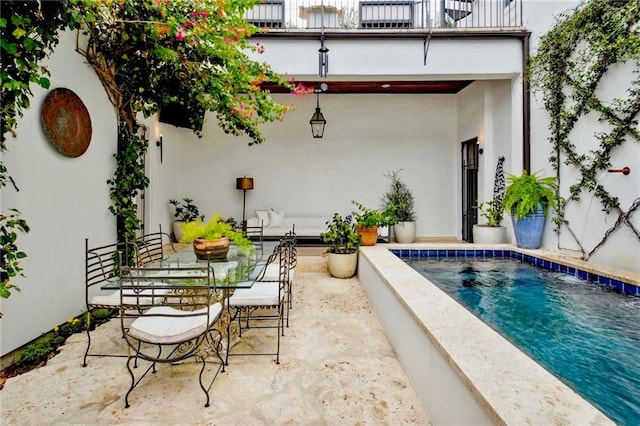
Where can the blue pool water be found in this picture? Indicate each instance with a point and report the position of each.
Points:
(585, 335)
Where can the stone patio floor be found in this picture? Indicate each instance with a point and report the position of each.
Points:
(336, 368)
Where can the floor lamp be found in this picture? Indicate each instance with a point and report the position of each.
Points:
(246, 184)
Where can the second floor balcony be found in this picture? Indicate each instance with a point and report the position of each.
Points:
(387, 15)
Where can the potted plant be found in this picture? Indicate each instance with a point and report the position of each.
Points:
(343, 242)
(491, 232)
(368, 220)
(527, 197)
(183, 211)
(211, 239)
(399, 201)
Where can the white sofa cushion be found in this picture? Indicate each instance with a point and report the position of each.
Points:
(305, 226)
(263, 217)
(276, 219)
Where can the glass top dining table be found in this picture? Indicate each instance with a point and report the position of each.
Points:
(240, 270)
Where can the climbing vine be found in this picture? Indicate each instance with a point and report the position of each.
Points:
(153, 53)
(571, 61)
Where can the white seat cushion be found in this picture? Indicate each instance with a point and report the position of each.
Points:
(260, 294)
(173, 329)
(145, 297)
(272, 273)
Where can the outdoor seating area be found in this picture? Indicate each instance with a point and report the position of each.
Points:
(336, 366)
(174, 306)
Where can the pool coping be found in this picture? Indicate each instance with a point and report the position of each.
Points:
(506, 385)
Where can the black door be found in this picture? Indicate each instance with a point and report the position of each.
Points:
(469, 187)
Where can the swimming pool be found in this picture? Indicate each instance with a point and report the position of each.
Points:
(581, 332)
(463, 371)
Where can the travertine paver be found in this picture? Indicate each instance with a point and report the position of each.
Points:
(337, 367)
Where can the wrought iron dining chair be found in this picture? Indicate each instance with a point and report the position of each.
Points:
(153, 247)
(271, 271)
(256, 235)
(103, 265)
(176, 328)
(264, 303)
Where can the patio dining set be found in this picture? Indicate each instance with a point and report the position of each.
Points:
(175, 308)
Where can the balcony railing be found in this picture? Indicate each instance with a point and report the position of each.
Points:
(385, 14)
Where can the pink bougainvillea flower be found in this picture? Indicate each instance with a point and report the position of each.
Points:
(180, 35)
(299, 90)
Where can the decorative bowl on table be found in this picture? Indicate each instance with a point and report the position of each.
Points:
(212, 250)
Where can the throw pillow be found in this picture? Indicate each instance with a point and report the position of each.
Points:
(263, 217)
(276, 219)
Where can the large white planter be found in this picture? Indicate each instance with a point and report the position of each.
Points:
(342, 265)
(177, 229)
(484, 234)
(404, 232)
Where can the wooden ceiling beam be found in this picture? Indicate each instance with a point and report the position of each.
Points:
(381, 86)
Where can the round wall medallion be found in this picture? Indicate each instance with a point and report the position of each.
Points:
(66, 122)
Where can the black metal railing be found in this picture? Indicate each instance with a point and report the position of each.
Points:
(386, 14)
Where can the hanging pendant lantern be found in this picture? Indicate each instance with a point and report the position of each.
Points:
(317, 120)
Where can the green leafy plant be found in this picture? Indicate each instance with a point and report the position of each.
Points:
(216, 228)
(43, 348)
(341, 235)
(185, 210)
(10, 255)
(492, 211)
(29, 32)
(399, 199)
(367, 217)
(526, 192)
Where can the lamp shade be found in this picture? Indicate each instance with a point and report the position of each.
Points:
(244, 182)
(317, 124)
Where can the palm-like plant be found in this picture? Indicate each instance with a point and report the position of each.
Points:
(526, 192)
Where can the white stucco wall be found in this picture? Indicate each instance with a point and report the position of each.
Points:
(398, 57)
(64, 201)
(366, 137)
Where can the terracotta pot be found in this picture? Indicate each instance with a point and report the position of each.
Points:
(368, 235)
(215, 250)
